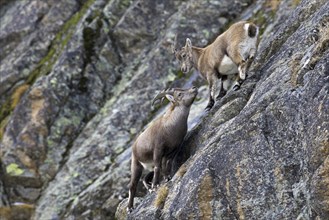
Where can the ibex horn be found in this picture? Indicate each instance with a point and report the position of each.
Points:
(161, 95)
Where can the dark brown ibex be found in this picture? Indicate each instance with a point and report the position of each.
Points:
(228, 57)
(154, 146)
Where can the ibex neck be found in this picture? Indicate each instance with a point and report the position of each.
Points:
(176, 115)
(196, 54)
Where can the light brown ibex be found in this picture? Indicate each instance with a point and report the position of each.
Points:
(226, 59)
(154, 147)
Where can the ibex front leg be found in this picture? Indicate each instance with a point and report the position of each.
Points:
(221, 91)
(242, 64)
(252, 54)
(242, 67)
(147, 181)
(243, 70)
(157, 159)
(245, 56)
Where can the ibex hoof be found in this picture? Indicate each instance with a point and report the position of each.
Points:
(129, 210)
(236, 87)
(153, 188)
(207, 109)
(240, 82)
(210, 105)
(168, 179)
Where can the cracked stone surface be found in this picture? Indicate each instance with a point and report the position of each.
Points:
(77, 79)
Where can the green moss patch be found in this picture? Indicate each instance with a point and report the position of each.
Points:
(14, 170)
(46, 64)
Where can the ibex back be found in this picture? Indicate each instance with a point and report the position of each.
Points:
(227, 58)
(154, 146)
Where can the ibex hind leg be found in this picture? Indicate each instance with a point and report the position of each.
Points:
(213, 80)
(221, 87)
(136, 172)
(166, 167)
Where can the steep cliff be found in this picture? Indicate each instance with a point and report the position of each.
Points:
(262, 153)
(77, 80)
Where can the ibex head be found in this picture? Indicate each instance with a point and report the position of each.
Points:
(184, 55)
(178, 97)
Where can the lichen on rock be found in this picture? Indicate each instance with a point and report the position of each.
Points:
(77, 81)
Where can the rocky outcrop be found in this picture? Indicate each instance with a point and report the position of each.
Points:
(261, 153)
(77, 80)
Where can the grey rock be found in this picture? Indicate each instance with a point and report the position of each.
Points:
(262, 153)
(77, 80)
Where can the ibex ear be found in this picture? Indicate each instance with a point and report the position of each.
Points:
(170, 98)
(188, 45)
(188, 42)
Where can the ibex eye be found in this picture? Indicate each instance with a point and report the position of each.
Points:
(183, 55)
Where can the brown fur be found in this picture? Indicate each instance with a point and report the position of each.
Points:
(237, 45)
(157, 143)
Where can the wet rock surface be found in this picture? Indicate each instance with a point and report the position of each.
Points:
(77, 81)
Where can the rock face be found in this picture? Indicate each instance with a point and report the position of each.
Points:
(262, 153)
(77, 80)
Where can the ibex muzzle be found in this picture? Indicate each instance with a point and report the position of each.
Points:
(155, 146)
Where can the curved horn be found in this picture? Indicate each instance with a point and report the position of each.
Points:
(162, 94)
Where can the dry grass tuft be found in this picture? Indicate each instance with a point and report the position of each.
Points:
(3, 125)
(162, 194)
(205, 197)
(273, 4)
(19, 92)
(181, 171)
